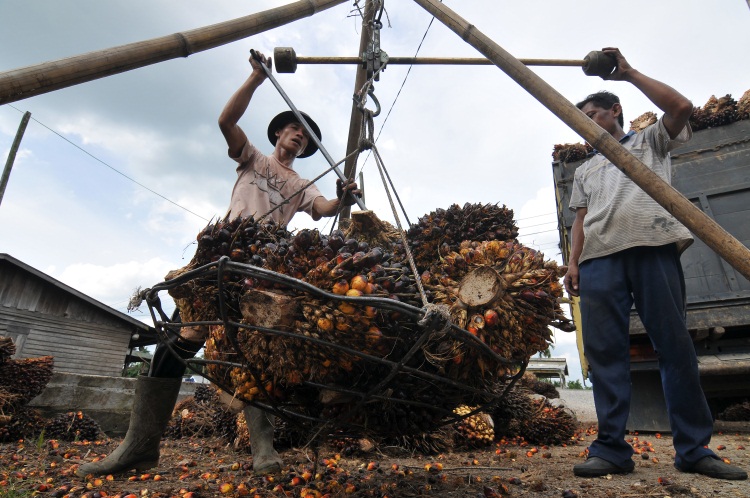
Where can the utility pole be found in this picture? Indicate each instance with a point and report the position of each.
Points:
(12, 153)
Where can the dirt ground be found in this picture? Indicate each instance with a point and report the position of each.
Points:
(192, 468)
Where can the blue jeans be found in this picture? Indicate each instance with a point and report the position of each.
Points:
(652, 278)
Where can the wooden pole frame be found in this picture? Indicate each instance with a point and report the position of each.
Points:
(25, 82)
(12, 154)
(356, 118)
(705, 228)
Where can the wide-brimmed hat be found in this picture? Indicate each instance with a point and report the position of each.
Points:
(286, 117)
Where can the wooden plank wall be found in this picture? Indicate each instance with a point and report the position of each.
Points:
(78, 347)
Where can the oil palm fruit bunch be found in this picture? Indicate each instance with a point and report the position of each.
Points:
(743, 106)
(548, 424)
(509, 414)
(7, 348)
(243, 240)
(474, 430)
(569, 153)
(450, 227)
(25, 378)
(530, 382)
(205, 394)
(503, 293)
(73, 426)
(194, 417)
(345, 267)
(737, 412)
(434, 442)
(643, 121)
(716, 112)
(25, 422)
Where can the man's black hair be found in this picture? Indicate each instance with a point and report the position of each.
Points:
(605, 100)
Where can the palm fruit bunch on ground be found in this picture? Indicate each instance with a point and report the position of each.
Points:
(716, 112)
(569, 153)
(532, 417)
(737, 412)
(474, 430)
(531, 383)
(24, 423)
(201, 415)
(20, 382)
(72, 426)
(743, 106)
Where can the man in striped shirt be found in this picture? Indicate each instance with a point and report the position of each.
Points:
(625, 250)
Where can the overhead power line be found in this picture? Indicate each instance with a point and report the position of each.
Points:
(112, 167)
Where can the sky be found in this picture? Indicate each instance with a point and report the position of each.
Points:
(115, 177)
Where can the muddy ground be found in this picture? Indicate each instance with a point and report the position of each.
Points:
(209, 467)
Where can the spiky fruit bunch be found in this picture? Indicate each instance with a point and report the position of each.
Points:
(530, 382)
(737, 412)
(205, 394)
(548, 424)
(7, 348)
(434, 442)
(477, 429)
(25, 423)
(716, 112)
(503, 293)
(643, 121)
(569, 153)
(25, 378)
(73, 426)
(743, 106)
(200, 418)
(446, 229)
(508, 416)
(277, 362)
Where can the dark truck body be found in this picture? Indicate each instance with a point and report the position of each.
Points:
(713, 172)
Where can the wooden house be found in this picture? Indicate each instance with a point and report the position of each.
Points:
(46, 317)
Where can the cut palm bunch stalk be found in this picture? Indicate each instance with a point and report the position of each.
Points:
(334, 327)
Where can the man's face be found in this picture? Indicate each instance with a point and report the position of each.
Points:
(293, 137)
(606, 118)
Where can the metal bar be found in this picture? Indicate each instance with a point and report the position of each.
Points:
(706, 229)
(477, 61)
(12, 154)
(18, 84)
(310, 131)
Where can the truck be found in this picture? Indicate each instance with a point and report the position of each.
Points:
(713, 171)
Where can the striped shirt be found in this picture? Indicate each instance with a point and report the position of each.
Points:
(620, 214)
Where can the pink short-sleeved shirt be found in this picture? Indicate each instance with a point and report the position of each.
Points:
(264, 183)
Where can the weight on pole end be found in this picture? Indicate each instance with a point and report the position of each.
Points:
(285, 59)
(597, 63)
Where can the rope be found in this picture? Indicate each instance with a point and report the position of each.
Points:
(402, 233)
(311, 182)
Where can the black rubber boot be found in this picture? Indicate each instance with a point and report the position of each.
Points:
(152, 408)
(260, 425)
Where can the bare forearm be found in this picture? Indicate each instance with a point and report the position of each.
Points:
(237, 105)
(323, 207)
(576, 244)
(666, 98)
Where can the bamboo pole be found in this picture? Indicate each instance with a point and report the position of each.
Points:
(21, 83)
(706, 229)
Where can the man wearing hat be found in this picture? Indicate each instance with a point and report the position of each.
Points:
(266, 185)
(265, 182)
